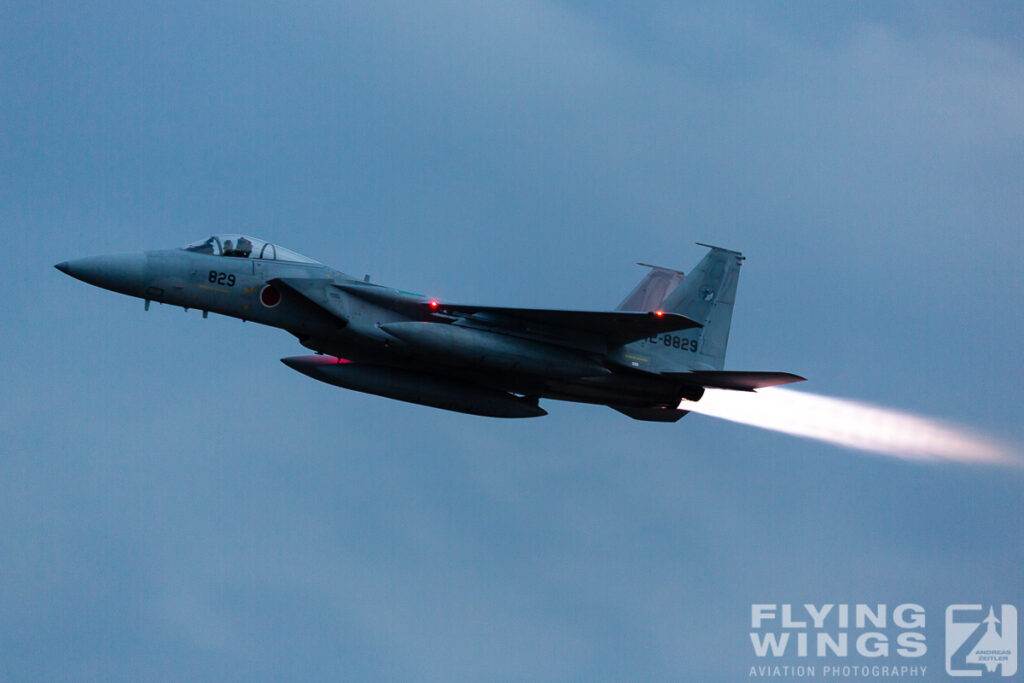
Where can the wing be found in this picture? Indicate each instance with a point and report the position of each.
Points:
(738, 380)
(615, 327)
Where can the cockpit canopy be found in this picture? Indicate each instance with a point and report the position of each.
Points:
(243, 246)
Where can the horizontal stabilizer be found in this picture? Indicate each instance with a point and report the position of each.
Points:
(737, 380)
(615, 327)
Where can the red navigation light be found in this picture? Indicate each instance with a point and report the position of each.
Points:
(659, 313)
(434, 304)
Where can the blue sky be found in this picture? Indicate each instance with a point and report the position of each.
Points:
(175, 503)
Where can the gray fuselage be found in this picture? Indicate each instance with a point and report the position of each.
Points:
(483, 360)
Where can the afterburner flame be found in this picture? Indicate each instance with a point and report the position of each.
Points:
(852, 424)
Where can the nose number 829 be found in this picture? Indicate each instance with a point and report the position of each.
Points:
(222, 278)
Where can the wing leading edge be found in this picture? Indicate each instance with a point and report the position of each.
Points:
(615, 327)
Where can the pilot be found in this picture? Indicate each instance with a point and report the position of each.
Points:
(244, 247)
(229, 248)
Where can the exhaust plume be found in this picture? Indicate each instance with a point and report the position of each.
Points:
(852, 424)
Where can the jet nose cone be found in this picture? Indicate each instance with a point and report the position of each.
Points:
(123, 273)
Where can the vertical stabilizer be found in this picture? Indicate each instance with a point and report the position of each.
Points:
(650, 292)
(707, 296)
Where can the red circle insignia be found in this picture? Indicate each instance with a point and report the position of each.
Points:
(269, 296)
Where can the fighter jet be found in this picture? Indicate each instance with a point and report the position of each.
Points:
(661, 347)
